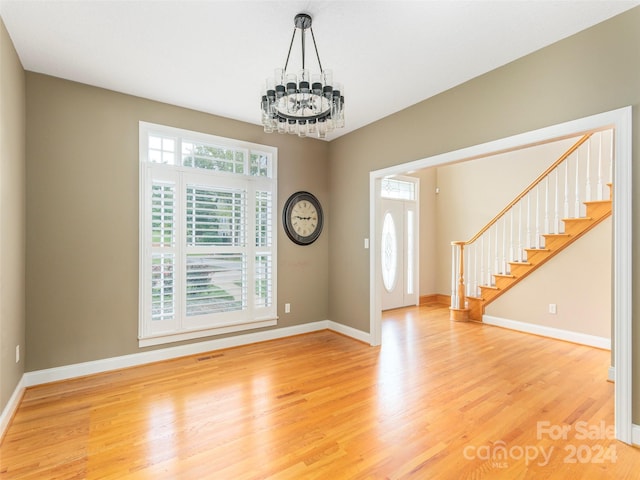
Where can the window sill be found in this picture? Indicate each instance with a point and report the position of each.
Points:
(178, 337)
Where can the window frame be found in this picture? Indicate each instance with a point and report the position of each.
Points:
(182, 326)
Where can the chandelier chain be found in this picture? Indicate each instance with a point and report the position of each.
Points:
(293, 37)
(316, 48)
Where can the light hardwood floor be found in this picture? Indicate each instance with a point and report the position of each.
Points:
(437, 400)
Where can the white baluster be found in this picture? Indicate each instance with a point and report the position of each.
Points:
(528, 242)
(481, 262)
(556, 214)
(511, 244)
(599, 186)
(576, 207)
(546, 204)
(496, 266)
(520, 232)
(467, 269)
(566, 189)
(504, 245)
(537, 216)
(488, 257)
(475, 269)
(587, 189)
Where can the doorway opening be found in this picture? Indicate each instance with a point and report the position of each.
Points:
(620, 121)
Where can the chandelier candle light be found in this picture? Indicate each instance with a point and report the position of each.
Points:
(302, 104)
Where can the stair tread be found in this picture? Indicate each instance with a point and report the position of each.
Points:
(526, 264)
(504, 275)
(587, 202)
(490, 287)
(576, 219)
(541, 249)
(556, 235)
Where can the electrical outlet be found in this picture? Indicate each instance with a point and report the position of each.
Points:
(17, 353)
(287, 308)
(553, 308)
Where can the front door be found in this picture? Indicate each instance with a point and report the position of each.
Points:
(398, 242)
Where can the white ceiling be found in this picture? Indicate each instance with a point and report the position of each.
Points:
(214, 56)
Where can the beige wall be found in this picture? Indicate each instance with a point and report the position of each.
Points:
(594, 71)
(82, 218)
(577, 280)
(12, 217)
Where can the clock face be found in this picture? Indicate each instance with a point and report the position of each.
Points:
(302, 218)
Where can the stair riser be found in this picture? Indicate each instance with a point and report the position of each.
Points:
(504, 282)
(489, 293)
(476, 309)
(598, 209)
(536, 257)
(555, 243)
(520, 270)
(577, 226)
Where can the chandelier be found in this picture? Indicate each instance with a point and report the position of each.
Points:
(302, 103)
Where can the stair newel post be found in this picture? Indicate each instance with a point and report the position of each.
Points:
(461, 295)
(459, 311)
(454, 258)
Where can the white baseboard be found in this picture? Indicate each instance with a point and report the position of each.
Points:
(12, 405)
(567, 335)
(611, 374)
(67, 372)
(349, 332)
(98, 366)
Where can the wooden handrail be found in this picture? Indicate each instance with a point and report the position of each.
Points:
(555, 164)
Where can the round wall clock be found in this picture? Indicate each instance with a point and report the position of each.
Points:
(302, 218)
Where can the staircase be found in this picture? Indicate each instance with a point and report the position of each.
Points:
(566, 201)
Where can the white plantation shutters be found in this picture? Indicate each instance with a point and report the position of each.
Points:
(163, 242)
(207, 244)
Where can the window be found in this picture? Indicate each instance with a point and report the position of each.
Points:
(207, 241)
(398, 189)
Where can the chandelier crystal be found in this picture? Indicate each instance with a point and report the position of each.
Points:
(302, 103)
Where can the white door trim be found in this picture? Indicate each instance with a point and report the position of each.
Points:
(621, 120)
